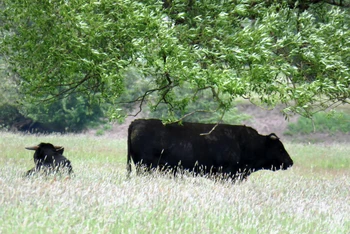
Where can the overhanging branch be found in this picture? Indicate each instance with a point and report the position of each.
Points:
(142, 98)
(304, 5)
(71, 88)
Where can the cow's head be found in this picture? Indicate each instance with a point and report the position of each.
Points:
(276, 155)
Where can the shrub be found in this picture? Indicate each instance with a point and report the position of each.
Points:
(71, 114)
(322, 122)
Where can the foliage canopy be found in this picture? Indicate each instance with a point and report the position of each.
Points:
(269, 52)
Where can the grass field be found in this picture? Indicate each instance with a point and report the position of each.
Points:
(311, 197)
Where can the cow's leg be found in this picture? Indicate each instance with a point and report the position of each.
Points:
(31, 172)
(138, 168)
(240, 176)
(175, 171)
(142, 168)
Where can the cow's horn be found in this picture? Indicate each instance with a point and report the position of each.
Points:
(32, 147)
(273, 136)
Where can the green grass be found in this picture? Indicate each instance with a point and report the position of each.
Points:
(311, 197)
(331, 157)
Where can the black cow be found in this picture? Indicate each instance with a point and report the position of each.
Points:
(50, 159)
(231, 150)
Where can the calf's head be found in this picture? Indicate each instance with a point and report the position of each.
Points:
(49, 157)
(46, 151)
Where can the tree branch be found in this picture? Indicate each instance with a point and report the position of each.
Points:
(304, 5)
(142, 98)
(69, 90)
(207, 133)
(193, 112)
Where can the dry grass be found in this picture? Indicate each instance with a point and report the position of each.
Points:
(312, 197)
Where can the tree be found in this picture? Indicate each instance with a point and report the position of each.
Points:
(70, 114)
(270, 52)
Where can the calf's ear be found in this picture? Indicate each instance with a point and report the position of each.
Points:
(32, 147)
(60, 150)
(58, 147)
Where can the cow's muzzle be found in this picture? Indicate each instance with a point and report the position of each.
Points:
(287, 164)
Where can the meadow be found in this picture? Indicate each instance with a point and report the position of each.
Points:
(311, 197)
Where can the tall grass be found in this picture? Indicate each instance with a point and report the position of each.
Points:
(312, 197)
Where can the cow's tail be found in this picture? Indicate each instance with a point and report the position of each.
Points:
(128, 161)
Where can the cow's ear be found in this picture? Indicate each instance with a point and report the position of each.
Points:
(273, 136)
(32, 147)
